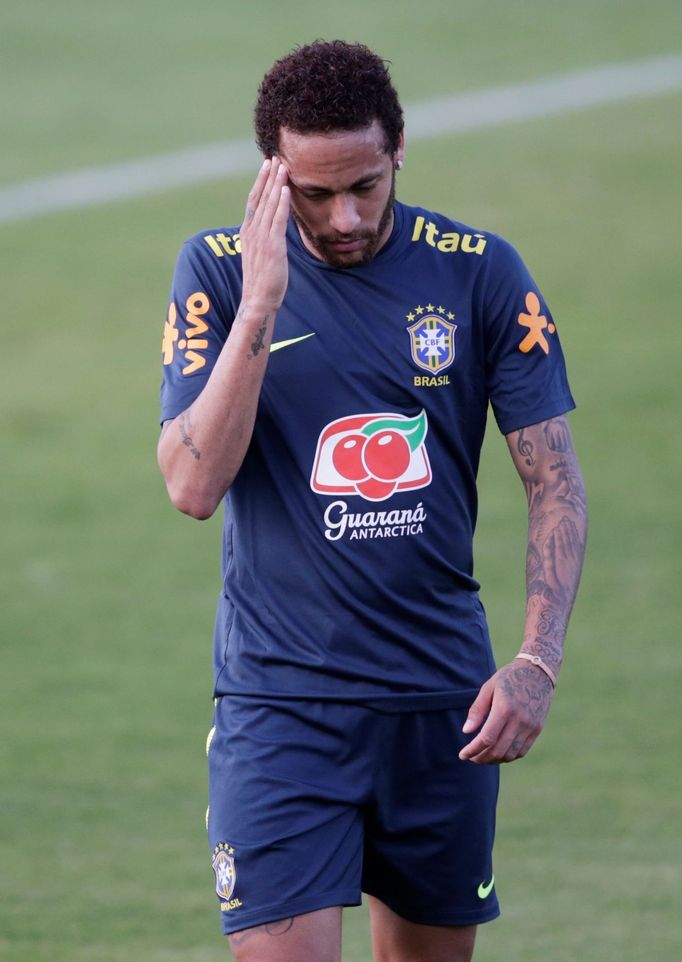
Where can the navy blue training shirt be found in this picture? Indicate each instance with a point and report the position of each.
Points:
(347, 549)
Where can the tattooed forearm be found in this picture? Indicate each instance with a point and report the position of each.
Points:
(551, 652)
(557, 528)
(242, 317)
(534, 492)
(550, 625)
(185, 426)
(533, 564)
(554, 561)
(570, 490)
(562, 557)
(257, 343)
(281, 927)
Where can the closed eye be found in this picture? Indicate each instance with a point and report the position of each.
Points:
(361, 187)
(316, 195)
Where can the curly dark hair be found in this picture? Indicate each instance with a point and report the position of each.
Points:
(325, 86)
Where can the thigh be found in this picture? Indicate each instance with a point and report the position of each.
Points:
(285, 826)
(314, 937)
(430, 831)
(394, 939)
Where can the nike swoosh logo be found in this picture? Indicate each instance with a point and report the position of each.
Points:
(278, 345)
(485, 890)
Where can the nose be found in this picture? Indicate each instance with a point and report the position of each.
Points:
(344, 217)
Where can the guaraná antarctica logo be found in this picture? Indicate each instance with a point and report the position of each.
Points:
(372, 455)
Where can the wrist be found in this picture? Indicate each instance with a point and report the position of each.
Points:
(539, 663)
(257, 307)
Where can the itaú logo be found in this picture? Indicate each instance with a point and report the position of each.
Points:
(372, 455)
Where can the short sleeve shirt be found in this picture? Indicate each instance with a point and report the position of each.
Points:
(347, 552)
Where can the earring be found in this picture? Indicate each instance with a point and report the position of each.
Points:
(398, 165)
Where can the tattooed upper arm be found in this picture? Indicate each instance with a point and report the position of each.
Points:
(546, 461)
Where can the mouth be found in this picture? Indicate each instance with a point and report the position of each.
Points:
(346, 246)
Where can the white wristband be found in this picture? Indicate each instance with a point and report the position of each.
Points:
(536, 660)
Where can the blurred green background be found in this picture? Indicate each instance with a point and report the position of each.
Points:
(108, 594)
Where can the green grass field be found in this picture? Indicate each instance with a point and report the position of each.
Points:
(107, 593)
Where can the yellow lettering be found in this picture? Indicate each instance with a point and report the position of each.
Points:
(198, 328)
(213, 244)
(232, 904)
(423, 381)
(431, 234)
(196, 304)
(197, 362)
(222, 244)
(226, 243)
(449, 243)
(476, 248)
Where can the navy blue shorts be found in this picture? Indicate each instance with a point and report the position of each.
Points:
(313, 802)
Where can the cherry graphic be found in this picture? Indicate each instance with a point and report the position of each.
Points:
(386, 455)
(375, 490)
(347, 457)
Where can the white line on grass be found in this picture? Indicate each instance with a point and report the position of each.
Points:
(549, 96)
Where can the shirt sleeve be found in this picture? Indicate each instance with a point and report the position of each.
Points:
(525, 368)
(198, 320)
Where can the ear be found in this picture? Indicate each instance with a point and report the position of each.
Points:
(399, 156)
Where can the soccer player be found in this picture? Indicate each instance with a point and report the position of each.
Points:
(328, 367)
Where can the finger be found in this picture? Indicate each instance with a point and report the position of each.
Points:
(484, 743)
(519, 747)
(483, 748)
(273, 194)
(512, 743)
(256, 211)
(256, 191)
(265, 193)
(527, 734)
(525, 748)
(281, 218)
(479, 709)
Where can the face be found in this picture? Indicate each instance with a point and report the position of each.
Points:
(342, 191)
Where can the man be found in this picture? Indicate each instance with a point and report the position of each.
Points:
(328, 367)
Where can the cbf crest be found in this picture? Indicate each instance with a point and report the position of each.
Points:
(225, 872)
(432, 337)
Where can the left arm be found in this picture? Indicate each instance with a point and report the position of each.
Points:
(512, 706)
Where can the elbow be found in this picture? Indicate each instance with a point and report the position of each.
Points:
(200, 505)
(198, 500)
(197, 510)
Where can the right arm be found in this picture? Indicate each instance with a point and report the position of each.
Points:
(201, 451)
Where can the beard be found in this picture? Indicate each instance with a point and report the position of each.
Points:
(322, 243)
